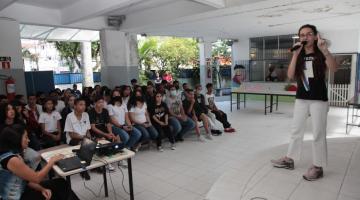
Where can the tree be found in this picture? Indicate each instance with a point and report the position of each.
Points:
(95, 54)
(148, 50)
(70, 52)
(221, 48)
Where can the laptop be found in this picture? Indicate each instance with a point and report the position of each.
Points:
(82, 158)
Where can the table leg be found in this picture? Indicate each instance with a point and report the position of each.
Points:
(105, 182)
(271, 102)
(265, 103)
(237, 101)
(68, 181)
(277, 101)
(347, 119)
(231, 102)
(244, 100)
(130, 179)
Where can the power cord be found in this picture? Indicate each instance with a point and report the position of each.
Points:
(89, 189)
(122, 181)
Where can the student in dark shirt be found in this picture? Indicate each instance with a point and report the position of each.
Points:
(100, 122)
(159, 113)
(193, 109)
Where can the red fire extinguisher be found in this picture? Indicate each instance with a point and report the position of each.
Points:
(10, 88)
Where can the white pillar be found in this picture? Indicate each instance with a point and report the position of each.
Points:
(10, 47)
(86, 59)
(119, 57)
(205, 47)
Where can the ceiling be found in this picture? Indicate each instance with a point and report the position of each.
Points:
(191, 18)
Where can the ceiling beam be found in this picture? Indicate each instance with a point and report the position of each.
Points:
(5, 3)
(213, 3)
(87, 9)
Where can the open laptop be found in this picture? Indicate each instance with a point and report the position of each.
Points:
(82, 158)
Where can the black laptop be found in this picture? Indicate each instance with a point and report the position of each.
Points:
(82, 158)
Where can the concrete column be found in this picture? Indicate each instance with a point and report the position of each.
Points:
(205, 47)
(10, 46)
(86, 59)
(119, 57)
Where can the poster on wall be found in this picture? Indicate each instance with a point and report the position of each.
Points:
(239, 75)
(5, 62)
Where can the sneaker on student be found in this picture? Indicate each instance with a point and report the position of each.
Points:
(201, 138)
(286, 163)
(216, 132)
(160, 149)
(208, 136)
(313, 173)
(122, 163)
(173, 147)
(110, 167)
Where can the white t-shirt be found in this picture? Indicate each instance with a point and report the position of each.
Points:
(125, 100)
(60, 105)
(139, 113)
(210, 100)
(72, 124)
(50, 120)
(118, 112)
(174, 104)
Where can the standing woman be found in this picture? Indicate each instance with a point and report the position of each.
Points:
(308, 67)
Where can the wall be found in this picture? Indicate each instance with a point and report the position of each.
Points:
(10, 44)
(344, 41)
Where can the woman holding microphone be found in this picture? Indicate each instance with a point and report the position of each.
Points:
(308, 67)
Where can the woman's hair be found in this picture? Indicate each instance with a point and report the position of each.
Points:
(133, 99)
(123, 88)
(11, 138)
(44, 105)
(4, 110)
(115, 99)
(319, 58)
(156, 93)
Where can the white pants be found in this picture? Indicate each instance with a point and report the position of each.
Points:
(213, 122)
(318, 111)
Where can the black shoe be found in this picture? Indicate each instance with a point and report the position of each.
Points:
(216, 132)
(179, 139)
(85, 175)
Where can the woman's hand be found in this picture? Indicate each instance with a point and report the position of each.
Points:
(297, 51)
(56, 158)
(322, 45)
(46, 193)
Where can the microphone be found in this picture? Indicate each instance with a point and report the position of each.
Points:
(298, 46)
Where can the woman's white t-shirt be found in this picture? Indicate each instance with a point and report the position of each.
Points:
(50, 120)
(118, 112)
(139, 113)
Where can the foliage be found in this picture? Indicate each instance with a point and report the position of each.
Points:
(221, 48)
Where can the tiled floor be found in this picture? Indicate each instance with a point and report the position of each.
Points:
(191, 170)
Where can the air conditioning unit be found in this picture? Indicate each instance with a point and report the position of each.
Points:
(115, 21)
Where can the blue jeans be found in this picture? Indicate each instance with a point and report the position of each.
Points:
(181, 127)
(149, 133)
(128, 138)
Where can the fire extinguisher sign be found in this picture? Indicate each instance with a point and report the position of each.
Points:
(5, 62)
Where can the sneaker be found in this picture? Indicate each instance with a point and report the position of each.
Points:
(313, 173)
(110, 167)
(160, 149)
(201, 138)
(122, 163)
(173, 147)
(208, 136)
(286, 163)
(229, 130)
(216, 132)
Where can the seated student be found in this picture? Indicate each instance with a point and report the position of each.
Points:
(69, 107)
(75, 91)
(200, 98)
(8, 118)
(150, 95)
(159, 113)
(58, 103)
(139, 116)
(185, 86)
(50, 125)
(178, 120)
(3, 99)
(220, 115)
(125, 93)
(77, 126)
(17, 180)
(121, 122)
(32, 125)
(193, 109)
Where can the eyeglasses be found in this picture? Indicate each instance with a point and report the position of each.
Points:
(306, 34)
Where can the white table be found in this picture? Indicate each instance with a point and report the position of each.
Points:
(97, 162)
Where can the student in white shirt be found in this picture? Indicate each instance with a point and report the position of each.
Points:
(139, 116)
(50, 125)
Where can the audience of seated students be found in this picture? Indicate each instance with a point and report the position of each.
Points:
(150, 94)
(220, 115)
(69, 107)
(18, 180)
(50, 125)
(178, 120)
(159, 113)
(139, 116)
(193, 109)
(59, 104)
(200, 98)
